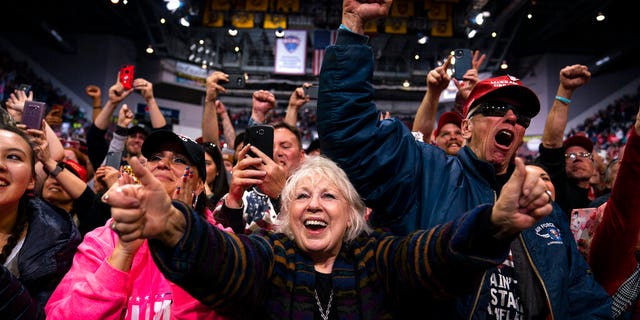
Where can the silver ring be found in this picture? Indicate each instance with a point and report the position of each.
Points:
(548, 192)
(114, 225)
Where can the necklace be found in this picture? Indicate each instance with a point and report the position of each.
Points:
(325, 316)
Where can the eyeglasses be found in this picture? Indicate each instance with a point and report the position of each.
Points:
(174, 159)
(499, 109)
(575, 155)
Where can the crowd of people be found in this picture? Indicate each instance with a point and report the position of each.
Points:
(374, 219)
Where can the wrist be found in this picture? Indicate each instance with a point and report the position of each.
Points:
(176, 227)
(52, 168)
(353, 23)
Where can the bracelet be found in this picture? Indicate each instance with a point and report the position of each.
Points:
(54, 173)
(563, 100)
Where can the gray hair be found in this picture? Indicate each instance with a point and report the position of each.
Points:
(315, 166)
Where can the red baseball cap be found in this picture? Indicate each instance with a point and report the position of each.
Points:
(76, 169)
(503, 87)
(448, 117)
(579, 140)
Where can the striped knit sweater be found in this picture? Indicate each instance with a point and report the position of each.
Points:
(264, 275)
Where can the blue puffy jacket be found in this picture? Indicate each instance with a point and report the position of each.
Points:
(411, 185)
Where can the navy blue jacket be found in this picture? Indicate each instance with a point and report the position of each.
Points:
(45, 257)
(411, 185)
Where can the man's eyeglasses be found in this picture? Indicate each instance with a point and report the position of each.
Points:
(499, 109)
(575, 155)
(175, 159)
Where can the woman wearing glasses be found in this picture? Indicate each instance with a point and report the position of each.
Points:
(116, 279)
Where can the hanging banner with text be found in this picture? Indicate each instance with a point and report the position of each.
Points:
(291, 52)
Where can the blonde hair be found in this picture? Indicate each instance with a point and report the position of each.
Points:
(317, 167)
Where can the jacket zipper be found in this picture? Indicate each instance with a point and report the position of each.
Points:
(535, 270)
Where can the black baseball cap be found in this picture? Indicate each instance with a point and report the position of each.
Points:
(167, 140)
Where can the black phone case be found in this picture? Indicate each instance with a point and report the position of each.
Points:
(312, 92)
(261, 137)
(33, 113)
(236, 81)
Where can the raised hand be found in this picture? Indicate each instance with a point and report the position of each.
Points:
(144, 210)
(213, 87)
(438, 78)
(356, 13)
(522, 202)
(125, 116)
(262, 102)
(117, 93)
(575, 76)
(145, 87)
(15, 103)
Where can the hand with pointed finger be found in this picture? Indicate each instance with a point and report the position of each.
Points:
(144, 210)
(522, 202)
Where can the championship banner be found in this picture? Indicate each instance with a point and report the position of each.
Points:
(220, 4)
(438, 11)
(257, 5)
(402, 8)
(371, 27)
(273, 21)
(395, 26)
(291, 53)
(242, 20)
(442, 28)
(214, 19)
(288, 6)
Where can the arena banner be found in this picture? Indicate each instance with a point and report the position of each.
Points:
(291, 53)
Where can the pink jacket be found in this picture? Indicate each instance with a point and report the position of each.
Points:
(93, 289)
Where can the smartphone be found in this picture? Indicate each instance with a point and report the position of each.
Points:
(113, 159)
(236, 81)
(261, 137)
(312, 92)
(463, 62)
(25, 87)
(33, 113)
(126, 76)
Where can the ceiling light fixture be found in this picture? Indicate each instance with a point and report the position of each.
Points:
(163, 20)
(406, 84)
(504, 65)
(422, 38)
(600, 16)
(149, 49)
(184, 21)
(232, 31)
(173, 5)
(279, 32)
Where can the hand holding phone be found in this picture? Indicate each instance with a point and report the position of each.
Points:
(463, 62)
(33, 113)
(126, 76)
(261, 137)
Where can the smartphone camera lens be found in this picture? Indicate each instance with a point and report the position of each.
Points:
(458, 53)
(239, 82)
(260, 132)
